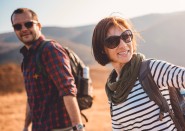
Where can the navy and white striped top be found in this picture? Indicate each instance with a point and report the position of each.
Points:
(138, 112)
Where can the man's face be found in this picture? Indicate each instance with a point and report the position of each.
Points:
(26, 29)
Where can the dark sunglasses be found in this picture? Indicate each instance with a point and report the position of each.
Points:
(28, 25)
(113, 41)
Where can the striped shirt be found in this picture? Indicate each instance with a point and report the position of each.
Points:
(45, 95)
(138, 112)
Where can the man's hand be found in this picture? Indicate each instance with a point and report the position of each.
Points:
(73, 110)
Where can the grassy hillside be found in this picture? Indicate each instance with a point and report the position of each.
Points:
(13, 100)
(163, 35)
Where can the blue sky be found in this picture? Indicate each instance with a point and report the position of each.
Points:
(70, 13)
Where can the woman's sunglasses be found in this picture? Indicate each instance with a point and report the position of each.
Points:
(28, 25)
(113, 41)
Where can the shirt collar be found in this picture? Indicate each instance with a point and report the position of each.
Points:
(33, 47)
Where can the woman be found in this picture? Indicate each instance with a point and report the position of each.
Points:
(114, 41)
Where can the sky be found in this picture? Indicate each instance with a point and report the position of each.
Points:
(71, 13)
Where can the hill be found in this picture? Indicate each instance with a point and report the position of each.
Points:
(164, 37)
(162, 33)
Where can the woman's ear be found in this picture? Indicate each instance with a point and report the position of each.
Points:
(105, 51)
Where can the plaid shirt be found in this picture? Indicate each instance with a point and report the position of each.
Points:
(45, 95)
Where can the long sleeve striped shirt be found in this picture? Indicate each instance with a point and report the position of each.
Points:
(138, 112)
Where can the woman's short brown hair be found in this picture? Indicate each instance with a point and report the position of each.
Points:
(100, 33)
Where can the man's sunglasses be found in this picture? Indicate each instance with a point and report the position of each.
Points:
(28, 25)
(113, 41)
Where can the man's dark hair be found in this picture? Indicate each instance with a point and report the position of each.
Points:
(22, 10)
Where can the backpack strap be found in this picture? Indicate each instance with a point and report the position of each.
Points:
(152, 89)
(39, 66)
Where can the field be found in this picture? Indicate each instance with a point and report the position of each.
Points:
(13, 103)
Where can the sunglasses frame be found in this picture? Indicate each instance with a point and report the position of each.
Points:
(112, 42)
(28, 25)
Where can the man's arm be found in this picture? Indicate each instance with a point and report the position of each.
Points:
(73, 110)
(61, 75)
(27, 118)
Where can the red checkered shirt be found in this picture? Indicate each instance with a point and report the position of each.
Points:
(45, 94)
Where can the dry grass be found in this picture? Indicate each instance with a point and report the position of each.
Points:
(13, 103)
(11, 79)
(12, 110)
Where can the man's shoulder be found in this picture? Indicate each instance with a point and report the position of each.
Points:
(52, 45)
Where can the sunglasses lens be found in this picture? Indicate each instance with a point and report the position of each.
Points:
(112, 42)
(127, 36)
(17, 27)
(28, 24)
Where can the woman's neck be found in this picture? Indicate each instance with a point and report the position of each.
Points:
(118, 68)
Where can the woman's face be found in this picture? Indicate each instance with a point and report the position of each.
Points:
(121, 54)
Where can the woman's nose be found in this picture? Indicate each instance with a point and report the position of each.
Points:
(122, 43)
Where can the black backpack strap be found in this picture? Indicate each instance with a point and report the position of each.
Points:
(151, 88)
(176, 101)
(84, 116)
(39, 67)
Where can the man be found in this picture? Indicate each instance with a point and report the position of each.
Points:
(52, 104)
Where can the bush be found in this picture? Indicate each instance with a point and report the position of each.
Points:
(11, 79)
